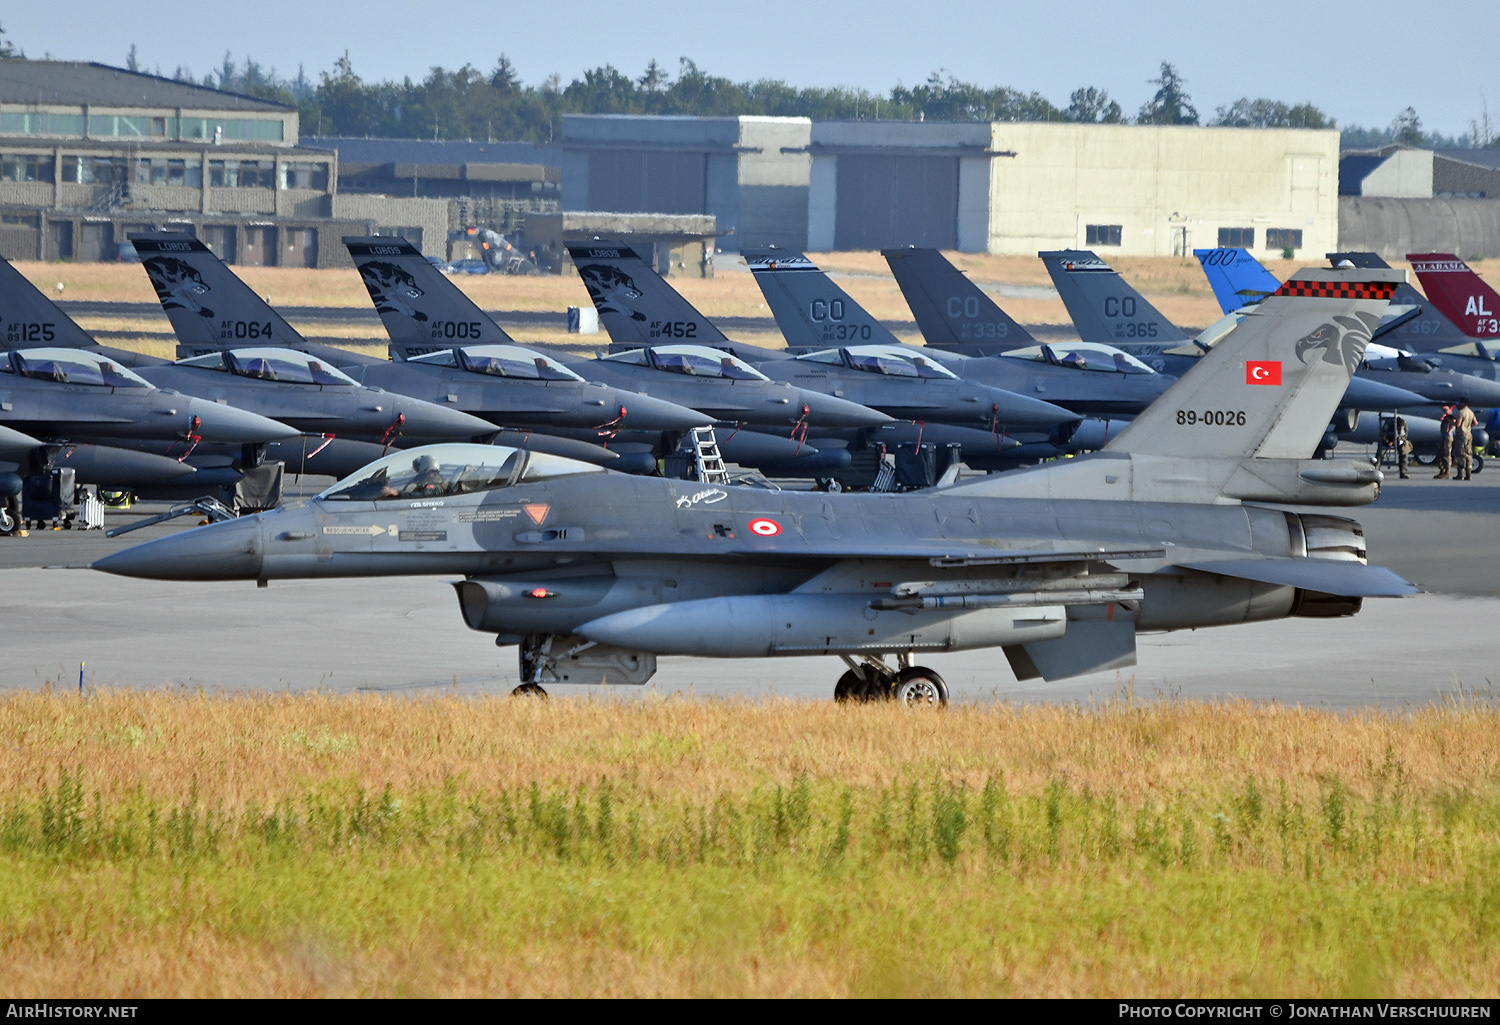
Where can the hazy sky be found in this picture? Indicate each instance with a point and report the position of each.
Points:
(1361, 62)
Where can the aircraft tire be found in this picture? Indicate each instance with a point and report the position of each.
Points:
(847, 689)
(1478, 464)
(529, 690)
(920, 686)
(7, 524)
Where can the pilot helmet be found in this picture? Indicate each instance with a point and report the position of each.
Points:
(425, 464)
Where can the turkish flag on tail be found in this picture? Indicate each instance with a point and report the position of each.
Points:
(1263, 371)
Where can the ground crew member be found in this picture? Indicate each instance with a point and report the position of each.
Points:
(10, 500)
(1464, 422)
(1393, 436)
(1445, 444)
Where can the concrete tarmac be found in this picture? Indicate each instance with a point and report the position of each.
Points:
(405, 635)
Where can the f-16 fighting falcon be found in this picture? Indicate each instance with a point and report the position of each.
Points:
(212, 309)
(594, 574)
(1094, 380)
(637, 306)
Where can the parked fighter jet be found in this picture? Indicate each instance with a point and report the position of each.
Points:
(594, 574)
(1106, 309)
(424, 312)
(1460, 370)
(1237, 278)
(1459, 294)
(212, 309)
(1090, 379)
(637, 306)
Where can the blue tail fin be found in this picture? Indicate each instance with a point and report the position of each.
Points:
(1237, 278)
(951, 311)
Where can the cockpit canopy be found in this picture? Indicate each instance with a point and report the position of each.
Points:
(890, 360)
(436, 471)
(692, 360)
(500, 361)
(286, 366)
(71, 366)
(1082, 356)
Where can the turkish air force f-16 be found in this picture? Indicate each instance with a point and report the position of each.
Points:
(593, 574)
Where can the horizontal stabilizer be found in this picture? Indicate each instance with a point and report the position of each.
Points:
(1349, 579)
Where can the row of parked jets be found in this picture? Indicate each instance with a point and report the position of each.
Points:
(248, 389)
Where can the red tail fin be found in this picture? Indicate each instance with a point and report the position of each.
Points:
(1458, 293)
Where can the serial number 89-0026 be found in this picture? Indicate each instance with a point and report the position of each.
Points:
(1211, 417)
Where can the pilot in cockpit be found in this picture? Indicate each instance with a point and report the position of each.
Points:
(429, 478)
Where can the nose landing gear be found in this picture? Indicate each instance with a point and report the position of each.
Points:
(870, 679)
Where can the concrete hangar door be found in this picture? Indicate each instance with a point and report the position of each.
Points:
(888, 201)
(631, 181)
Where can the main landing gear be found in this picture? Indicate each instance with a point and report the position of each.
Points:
(529, 690)
(870, 679)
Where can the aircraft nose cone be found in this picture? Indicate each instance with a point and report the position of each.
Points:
(1481, 393)
(231, 550)
(430, 420)
(644, 413)
(832, 411)
(218, 422)
(1008, 407)
(1364, 393)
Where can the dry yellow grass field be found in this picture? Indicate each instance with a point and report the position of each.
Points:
(177, 844)
(1177, 287)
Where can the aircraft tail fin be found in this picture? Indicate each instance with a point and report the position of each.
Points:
(1411, 322)
(1270, 387)
(422, 310)
(29, 319)
(1103, 307)
(1237, 278)
(809, 308)
(210, 307)
(1458, 293)
(952, 312)
(635, 304)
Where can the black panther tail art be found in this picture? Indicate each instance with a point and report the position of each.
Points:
(177, 285)
(611, 289)
(390, 287)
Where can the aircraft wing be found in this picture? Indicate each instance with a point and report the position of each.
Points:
(1350, 579)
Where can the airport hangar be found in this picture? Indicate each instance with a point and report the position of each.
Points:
(90, 153)
(1003, 187)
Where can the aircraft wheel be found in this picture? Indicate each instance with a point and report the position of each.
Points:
(1424, 460)
(920, 686)
(848, 688)
(6, 523)
(529, 690)
(1478, 465)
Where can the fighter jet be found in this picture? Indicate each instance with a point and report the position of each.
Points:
(638, 307)
(1089, 379)
(595, 574)
(1461, 369)
(212, 309)
(1105, 308)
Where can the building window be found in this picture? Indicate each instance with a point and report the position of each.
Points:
(412, 235)
(242, 174)
(1236, 238)
(25, 168)
(93, 170)
(1283, 238)
(33, 221)
(160, 171)
(233, 129)
(17, 123)
(304, 175)
(1101, 235)
(101, 125)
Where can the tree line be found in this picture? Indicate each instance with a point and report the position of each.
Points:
(467, 103)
